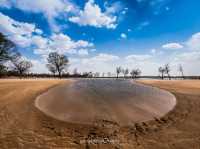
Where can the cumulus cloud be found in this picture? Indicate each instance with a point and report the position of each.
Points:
(38, 31)
(60, 43)
(172, 46)
(18, 32)
(39, 41)
(93, 15)
(194, 42)
(27, 35)
(50, 8)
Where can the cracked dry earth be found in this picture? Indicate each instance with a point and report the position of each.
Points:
(24, 126)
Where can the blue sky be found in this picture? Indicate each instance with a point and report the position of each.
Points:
(99, 35)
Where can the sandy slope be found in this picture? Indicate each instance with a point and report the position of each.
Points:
(24, 126)
(183, 129)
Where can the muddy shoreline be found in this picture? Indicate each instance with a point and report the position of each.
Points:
(121, 101)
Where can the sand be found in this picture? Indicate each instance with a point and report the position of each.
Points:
(124, 102)
(22, 125)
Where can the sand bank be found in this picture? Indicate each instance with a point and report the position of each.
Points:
(22, 125)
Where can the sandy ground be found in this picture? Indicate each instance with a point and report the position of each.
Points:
(85, 101)
(24, 126)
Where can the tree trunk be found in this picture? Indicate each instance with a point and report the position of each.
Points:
(169, 76)
(182, 75)
(59, 74)
(20, 75)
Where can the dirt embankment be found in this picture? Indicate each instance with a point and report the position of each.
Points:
(24, 126)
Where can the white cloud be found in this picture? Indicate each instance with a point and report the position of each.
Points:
(39, 41)
(60, 43)
(38, 31)
(153, 51)
(8, 25)
(124, 12)
(50, 8)
(194, 42)
(190, 62)
(18, 32)
(137, 57)
(188, 57)
(172, 46)
(102, 57)
(123, 35)
(102, 62)
(21, 33)
(92, 15)
(83, 52)
(39, 66)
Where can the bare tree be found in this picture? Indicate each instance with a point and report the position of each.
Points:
(20, 65)
(135, 73)
(51, 68)
(57, 61)
(125, 72)
(161, 70)
(7, 51)
(167, 70)
(118, 71)
(90, 74)
(96, 74)
(180, 69)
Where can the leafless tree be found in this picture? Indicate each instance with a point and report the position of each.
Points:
(97, 74)
(20, 65)
(7, 51)
(167, 70)
(135, 73)
(180, 69)
(51, 68)
(125, 72)
(90, 74)
(57, 61)
(118, 71)
(161, 70)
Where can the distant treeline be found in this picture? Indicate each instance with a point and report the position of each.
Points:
(10, 74)
(57, 65)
